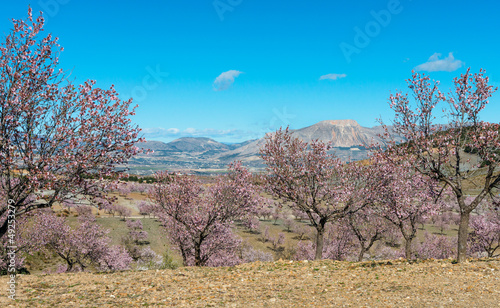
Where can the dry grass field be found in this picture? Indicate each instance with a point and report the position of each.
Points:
(325, 283)
(283, 283)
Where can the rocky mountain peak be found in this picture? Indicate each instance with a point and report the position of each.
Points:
(342, 123)
(348, 139)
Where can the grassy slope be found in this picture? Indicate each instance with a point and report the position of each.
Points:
(160, 244)
(327, 283)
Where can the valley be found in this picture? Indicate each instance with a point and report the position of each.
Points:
(200, 155)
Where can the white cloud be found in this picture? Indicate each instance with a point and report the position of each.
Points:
(435, 64)
(173, 130)
(332, 76)
(158, 131)
(225, 80)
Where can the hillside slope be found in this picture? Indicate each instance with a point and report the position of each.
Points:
(276, 284)
(347, 138)
(199, 154)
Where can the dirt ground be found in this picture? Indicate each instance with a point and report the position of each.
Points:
(430, 283)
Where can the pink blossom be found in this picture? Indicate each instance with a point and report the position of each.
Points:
(441, 151)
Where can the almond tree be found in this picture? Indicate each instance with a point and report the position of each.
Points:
(339, 243)
(122, 211)
(455, 151)
(83, 210)
(276, 215)
(289, 224)
(198, 219)
(145, 208)
(301, 230)
(436, 247)
(485, 235)
(367, 227)
(86, 245)
(54, 136)
(135, 238)
(404, 198)
(136, 233)
(308, 179)
(265, 212)
(249, 254)
(252, 224)
(124, 189)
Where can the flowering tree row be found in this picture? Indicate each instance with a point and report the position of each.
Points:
(384, 194)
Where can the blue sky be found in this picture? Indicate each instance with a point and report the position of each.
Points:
(233, 70)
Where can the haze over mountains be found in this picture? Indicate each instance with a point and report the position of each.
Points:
(205, 155)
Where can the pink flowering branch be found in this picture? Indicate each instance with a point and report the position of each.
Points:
(312, 181)
(198, 219)
(54, 136)
(443, 151)
(405, 198)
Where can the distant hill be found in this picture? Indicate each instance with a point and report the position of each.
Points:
(342, 133)
(200, 154)
(349, 141)
(186, 145)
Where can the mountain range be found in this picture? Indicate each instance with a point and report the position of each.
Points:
(205, 155)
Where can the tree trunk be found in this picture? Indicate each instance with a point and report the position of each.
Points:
(361, 253)
(408, 251)
(197, 255)
(3, 228)
(319, 243)
(184, 256)
(366, 248)
(463, 233)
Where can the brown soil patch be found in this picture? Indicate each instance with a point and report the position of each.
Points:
(275, 284)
